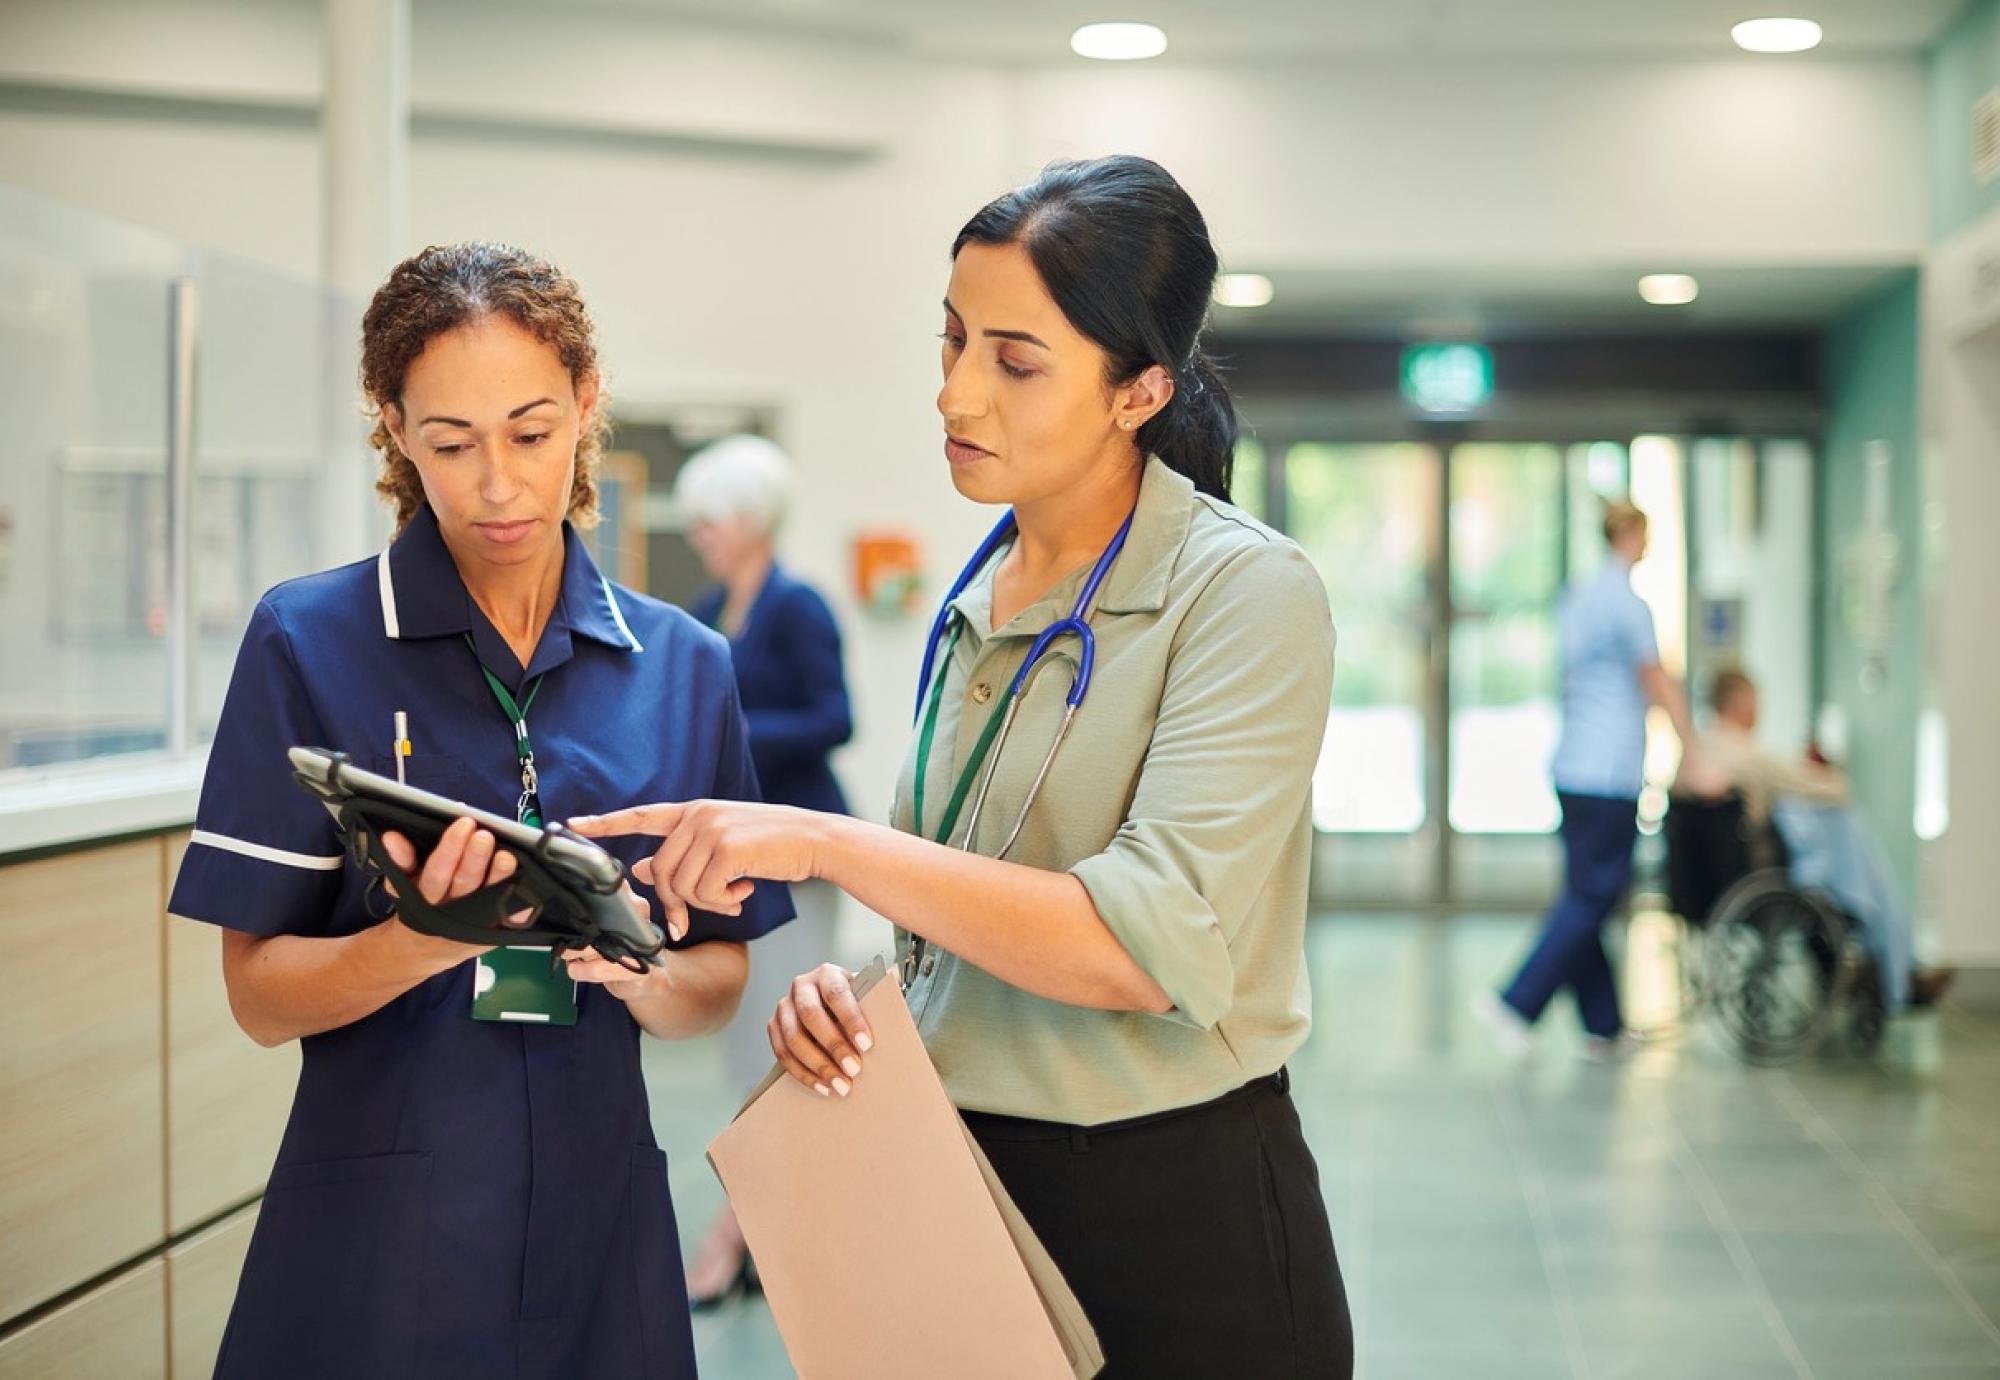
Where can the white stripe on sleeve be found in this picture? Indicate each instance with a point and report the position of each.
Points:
(311, 862)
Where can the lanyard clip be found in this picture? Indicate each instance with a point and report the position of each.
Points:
(528, 809)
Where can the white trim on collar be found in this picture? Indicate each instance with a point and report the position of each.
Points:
(617, 614)
(389, 623)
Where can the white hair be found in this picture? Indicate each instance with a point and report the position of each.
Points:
(738, 476)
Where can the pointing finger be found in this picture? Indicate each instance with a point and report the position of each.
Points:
(634, 819)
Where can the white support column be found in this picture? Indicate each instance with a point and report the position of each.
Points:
(364, 198)
(184, 330)
(365, 141)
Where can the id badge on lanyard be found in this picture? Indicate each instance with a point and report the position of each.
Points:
(519, 983)
(516, 984)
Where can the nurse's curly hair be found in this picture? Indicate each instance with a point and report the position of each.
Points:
(448, 286)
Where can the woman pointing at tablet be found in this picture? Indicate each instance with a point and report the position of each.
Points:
(1101, 832)
(469, 1183)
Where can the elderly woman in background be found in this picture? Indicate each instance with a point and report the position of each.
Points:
(786, 649)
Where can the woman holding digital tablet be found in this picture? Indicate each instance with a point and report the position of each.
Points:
(469, 1183)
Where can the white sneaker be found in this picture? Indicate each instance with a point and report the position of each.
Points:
(1623, 1045)
(1511, 1034)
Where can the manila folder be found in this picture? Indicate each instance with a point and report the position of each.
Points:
(887, 1247)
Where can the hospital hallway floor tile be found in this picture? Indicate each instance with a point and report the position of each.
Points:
(1675, 1214)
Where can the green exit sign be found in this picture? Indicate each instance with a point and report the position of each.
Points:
(1448, 378)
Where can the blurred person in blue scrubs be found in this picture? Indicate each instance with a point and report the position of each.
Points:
(1611, 674)
(1827, 842)
(463, 1189)
(786, 649)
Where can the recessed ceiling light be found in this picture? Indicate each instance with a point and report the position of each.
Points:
(1243, 290)
(1118, 42)
(1776, 35)
(1668, 289)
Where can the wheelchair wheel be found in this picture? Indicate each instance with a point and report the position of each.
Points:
(1772, 966)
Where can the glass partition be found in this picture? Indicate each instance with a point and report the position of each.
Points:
(278, 452)
(84, 331)
(108, 646)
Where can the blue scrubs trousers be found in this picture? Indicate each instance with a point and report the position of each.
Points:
(1598, 833)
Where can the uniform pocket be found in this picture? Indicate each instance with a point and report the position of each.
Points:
(331, 1284)
(1276, 1238)
(1315, 1296)
(664, 1326)
(436, 772)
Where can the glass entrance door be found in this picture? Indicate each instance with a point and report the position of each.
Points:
(1370, 517)
(1444, 564)
(1505, 556)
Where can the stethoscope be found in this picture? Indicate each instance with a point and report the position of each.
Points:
(986, 752)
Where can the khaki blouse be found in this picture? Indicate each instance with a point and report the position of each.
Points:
(1181, 800)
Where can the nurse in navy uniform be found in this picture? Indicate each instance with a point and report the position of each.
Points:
(467, 1186)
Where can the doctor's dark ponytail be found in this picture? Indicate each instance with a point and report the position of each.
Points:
(1196, 432)
(1126, 255)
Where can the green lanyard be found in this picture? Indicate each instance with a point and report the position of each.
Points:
(979, 749)
(529, 808)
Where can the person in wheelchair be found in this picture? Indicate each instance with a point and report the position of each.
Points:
(1826, 841)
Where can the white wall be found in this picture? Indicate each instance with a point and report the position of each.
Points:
(767, 221)
(1519, 163)
(1961, 369)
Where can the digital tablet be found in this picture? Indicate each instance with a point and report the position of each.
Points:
(334, 777)
(573, 888)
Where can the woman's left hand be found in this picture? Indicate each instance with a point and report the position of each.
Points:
(711, 849)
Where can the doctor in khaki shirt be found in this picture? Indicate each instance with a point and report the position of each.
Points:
(1112, 1003)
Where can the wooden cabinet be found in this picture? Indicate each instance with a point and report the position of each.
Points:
(201, 1284)
(118, 1329)
(227, 1096)
(82, 1182)
(132, 1110)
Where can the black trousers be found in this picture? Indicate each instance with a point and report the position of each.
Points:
(1196, 1240)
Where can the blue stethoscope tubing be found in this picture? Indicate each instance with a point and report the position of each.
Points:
(1076, 625)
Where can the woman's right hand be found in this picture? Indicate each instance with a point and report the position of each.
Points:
(465, 859)
(819, 1033)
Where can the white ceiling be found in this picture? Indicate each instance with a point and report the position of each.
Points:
(1035, 31)
(1382, 299)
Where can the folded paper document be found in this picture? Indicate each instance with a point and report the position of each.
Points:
(887, 1247)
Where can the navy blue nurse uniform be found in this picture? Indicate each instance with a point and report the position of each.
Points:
(457, 1197)
(787, 658)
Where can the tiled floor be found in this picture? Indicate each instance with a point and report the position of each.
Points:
(1679, 1215)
